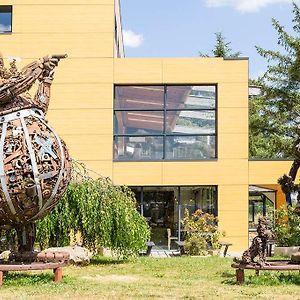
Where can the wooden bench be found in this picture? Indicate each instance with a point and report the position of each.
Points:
(149, 245)
(56, 267)
(226, 245)
(274, 265)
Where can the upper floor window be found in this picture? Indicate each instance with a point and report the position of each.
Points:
(5, 18)
(165, 122)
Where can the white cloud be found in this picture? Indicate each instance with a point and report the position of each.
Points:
(132, 39)
(5, 28)
(246, 5)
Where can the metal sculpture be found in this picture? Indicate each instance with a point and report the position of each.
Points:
(258, 246)
(34, 162)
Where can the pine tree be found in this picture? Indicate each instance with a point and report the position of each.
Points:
(222, 48)
(275, 114)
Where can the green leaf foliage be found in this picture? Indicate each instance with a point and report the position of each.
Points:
(275, 114)
(201, 232)
(104, 214)
(287, 227)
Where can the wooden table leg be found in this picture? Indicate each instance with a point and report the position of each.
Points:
(1, 278)
(240, 276)
(58, 274)
(225, 250)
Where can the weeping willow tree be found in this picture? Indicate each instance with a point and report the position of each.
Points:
(104, 214)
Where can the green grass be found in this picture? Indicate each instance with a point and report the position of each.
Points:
(148, 278)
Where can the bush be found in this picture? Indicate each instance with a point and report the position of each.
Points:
(201, 232)
(287, 227)
(104, 214)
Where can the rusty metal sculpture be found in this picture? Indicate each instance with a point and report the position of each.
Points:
(258, 247)
(34, 162)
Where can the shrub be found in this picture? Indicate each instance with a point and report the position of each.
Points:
(104, 214)
(287, 227)
(201, 232)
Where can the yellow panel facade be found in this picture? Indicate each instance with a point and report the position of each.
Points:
(138, 71)
(63, 18)
(225, 171)
(233, 214)
(268, 172)
(81, 96)
(83, 70)
(138, 173)
(55, 2)
(233, 120)
(204, 70)
(98, 168)
(98, 146)
(232, 95)
(33, 45)
(233, 146)
(81, 121)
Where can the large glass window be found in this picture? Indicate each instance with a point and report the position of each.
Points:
(164, 206)
(169, 122)
(5, 18)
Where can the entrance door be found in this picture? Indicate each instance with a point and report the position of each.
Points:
(157, 205)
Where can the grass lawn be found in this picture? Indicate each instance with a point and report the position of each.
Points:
(150, 278)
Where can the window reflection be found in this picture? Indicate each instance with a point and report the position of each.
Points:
(5, 18)
(194, 97)
(139, 97)
(180, 119)
(138, 122)
(191, 122)
(138, 148)
(204, 198)
(190, 147)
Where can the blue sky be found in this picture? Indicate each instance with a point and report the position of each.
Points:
(176, 28)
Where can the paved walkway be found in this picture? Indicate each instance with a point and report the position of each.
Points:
(163, 252)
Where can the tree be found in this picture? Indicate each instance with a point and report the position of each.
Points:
(275, 114)
(222, 48)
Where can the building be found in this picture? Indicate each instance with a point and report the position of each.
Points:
(174, 129)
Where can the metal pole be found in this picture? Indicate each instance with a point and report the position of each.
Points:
(179, 214)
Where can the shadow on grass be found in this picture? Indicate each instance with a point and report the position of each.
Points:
(230, 278)
(101, 260)
(27, 279)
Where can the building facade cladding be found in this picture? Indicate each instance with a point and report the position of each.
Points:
(81, 109)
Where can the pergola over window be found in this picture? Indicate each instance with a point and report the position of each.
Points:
(262, 202)
(165, 122)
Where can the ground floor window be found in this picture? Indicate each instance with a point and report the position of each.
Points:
(262, 202)
(164, 206)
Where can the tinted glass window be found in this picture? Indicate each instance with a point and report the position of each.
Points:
(5, 18)
(165, 122)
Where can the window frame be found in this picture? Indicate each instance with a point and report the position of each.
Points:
(9, 10)
(164, 135)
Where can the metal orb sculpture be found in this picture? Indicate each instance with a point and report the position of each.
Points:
(34, 162)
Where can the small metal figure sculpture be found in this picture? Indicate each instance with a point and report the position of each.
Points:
(34, 162)
(258, 247)
(287, 181)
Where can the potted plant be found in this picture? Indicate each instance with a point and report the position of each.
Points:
(287, 231)
(202, 235)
